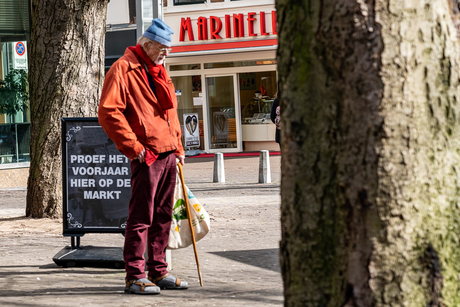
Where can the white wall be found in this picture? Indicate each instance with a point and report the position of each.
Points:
(117, 12)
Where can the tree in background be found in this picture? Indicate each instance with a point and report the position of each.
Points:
(14, 93)
(66, 76)
(371, 152)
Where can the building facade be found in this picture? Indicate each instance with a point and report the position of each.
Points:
(222, 64)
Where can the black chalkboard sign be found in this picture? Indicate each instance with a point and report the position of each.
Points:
(96, 179)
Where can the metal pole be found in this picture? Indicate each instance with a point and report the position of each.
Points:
(139, 18)
(157, 12)
(17, 146)
(157, 9)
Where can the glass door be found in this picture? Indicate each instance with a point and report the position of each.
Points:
(190, 111)
(224, 128)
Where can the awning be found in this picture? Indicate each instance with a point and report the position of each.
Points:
(14, 17)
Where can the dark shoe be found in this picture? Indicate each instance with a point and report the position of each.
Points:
(141, 286)
(169, 282)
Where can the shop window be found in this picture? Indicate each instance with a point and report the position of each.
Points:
(184, 67)
(238, 64)
(14, 143)
(190, 111)
(257, 93)
(14, 63)
(185, 2)
(14, 128)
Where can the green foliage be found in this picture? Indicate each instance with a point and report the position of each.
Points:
(14, 92)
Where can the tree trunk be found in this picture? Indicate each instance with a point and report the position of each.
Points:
(66, 76)
(370, 116)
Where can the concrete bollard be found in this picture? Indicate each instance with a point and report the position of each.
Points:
(264, 167)
(219, 172)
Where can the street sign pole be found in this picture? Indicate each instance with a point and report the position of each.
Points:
(157, 9)
(146, 10)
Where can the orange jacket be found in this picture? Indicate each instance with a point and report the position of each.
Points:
(130, 114)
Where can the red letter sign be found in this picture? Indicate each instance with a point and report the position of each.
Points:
(186, 25)
(262, 24)
(274, 22)
(216, 26)
(202, 28)
(238, 25)
(251, 24)
(228, 33)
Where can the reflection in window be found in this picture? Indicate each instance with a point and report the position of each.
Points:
(14, 143)
(184, 67)
(184, 2)
(257, 92)
(239, 64)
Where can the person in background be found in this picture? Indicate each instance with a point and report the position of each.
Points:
(138, 111)
(275, 117)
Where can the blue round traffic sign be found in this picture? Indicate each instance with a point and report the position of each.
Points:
(20, 48)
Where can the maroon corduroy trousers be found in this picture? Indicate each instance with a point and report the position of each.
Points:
(149, 217)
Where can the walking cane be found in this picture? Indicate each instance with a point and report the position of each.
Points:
(187, 206)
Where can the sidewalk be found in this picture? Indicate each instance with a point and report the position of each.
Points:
(238, 258)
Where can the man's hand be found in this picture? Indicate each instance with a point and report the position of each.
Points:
(141, 156)
(181, 160)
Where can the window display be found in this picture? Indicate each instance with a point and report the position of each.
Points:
(14, 91)
(257, 92)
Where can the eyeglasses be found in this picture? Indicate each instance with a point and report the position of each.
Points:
(162, 50)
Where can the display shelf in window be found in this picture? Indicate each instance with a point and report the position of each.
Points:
(257, 111)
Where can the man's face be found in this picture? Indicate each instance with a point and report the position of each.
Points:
(156, 52)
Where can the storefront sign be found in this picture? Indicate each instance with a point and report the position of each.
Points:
(192, 130)
(239, 22)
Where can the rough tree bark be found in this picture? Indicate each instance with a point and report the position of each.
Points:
(66, 76)
(371, 152)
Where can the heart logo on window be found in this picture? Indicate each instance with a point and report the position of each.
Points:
(220, 120)
(191, 123)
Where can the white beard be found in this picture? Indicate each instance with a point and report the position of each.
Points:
(160, 60)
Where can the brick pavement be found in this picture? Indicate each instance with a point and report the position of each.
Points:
(239, 257)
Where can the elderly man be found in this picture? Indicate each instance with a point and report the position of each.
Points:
(138, 111)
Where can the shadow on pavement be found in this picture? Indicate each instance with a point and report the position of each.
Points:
(246, 186)
(15, 218)
(265, 295)
(262, 258)
(51, 269)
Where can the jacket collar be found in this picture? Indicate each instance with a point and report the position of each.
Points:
(132, 59)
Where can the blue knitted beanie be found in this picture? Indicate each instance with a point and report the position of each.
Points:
(160, 32)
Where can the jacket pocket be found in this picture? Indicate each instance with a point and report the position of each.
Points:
(139, 129)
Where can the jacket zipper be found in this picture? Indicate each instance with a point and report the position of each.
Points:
(169, 124)
(167, 114)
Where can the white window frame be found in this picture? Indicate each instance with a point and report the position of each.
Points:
(219, 72)
(208, 5)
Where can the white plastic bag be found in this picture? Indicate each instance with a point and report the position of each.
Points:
(179, 235)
